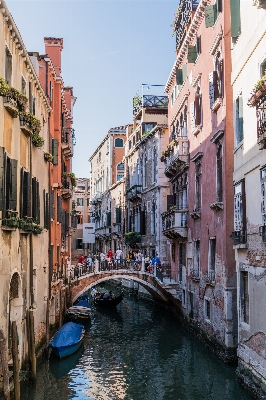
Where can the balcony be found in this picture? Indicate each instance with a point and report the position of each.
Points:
(66, 189)
(11, 106)
(209, 277)
(150, 102)
(97, 198)
(176, 157)
(239, 239)
(134, 193)
(67, 142)
(194, 274)
(182, 19)
(174, 223)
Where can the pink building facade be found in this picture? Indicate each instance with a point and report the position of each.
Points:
(199, 165)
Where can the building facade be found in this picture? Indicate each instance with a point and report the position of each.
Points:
(24, 180)
(146, 185)
(249, 235)
(80, 214)
(199, 165)
(107, 168)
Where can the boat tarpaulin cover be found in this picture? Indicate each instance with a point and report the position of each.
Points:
(83, 303)
(70, 333)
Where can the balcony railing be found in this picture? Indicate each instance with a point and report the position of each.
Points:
(97, 198)
(239, 237)
(174, 223)
(182, 18)
(134, 193)
(67, 142)
(209, 277)
(194, 274)
(67, 189)
(149, 101)
(177, 157)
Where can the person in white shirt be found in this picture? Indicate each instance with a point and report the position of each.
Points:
(118, 255)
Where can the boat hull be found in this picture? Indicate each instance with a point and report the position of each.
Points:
(109, 303)
(65, 351)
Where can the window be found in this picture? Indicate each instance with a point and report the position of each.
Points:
(211, 13)
(239, 120)
(235, 19)
(120, 171)
(239, 235)
(181, 75)
(181, 260)
(8, 182)
(211, 256)
(144, 171)
(119, 142)
(8, 66)
(153, 164)
(51, 91)
(153, 218)
(23, 85)
(198, 183)
(79, 244)
(80, 201)
(196, 257)
(219, 173)
(244, 297)
(207, 308)
(79, 219)
(35, 201)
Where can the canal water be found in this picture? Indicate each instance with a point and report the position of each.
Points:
(136, 352)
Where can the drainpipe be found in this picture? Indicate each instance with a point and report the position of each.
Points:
(31, 238)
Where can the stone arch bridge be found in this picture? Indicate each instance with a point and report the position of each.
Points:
(162, 291)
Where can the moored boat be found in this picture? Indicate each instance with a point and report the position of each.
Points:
(67, 340)
(110, 302)
(81, 310)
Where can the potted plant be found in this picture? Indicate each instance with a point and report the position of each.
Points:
(36, 228)
(72, 177)
(48, 157)
(37, 140)
(32, 122)
(11, 93)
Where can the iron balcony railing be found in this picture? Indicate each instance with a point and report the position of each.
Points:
(176, 157)
(68, 141)
(174, 223)
(194, 274)
(149, 101)
(239, 237)
(134, 192)
(209, 277)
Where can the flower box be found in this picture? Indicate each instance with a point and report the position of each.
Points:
(12, 222)
(28, 227)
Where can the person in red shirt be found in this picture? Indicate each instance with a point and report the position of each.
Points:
(81, 259)
(110, 254)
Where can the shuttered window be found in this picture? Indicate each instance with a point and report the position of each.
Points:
(108, 219)
(59, 209)
(211, 15)
(192, 53)
(46, 209)
(239, 120)
(55, 151)
(35, 201)
(239, 207)
(2, 178)
(143, 222)
(235, 18)
(52, 205)
(213, 87)
(118, 215)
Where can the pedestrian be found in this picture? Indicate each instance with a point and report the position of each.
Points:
(110, 254)
(118, 255)
(89, 263)
(81, 259)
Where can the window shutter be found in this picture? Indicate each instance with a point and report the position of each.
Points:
(108, 220)
(47, 219)
(211, 15)
(192, 116)
(21, 193)
(142, 222)
(179, 76)
(197, 109)
(59, 209)
(192, 54)
(198, 44)
(184, 72)
(235, 18)
(34, 199)
(74, 222)
(219, 5)
(51, 144)
(26, 194)
(2, 178)
(170, 201)
(240, 118)
(14, 186)
(52, 205)
(38, 202)
(213, 87)
(118, 215)
(55, 151)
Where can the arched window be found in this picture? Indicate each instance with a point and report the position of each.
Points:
(119, 142)
(120, 171)
(14, 286)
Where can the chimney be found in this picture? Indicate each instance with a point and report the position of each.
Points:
(53, 48)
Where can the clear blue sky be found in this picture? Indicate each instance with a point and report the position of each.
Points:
(110, 49)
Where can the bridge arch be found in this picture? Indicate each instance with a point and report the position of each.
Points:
(146, 280)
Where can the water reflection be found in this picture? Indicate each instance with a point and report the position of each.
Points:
(136, 352)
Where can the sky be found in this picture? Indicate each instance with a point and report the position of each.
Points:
(111, 47)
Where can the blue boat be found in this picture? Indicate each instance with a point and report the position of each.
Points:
(67, 340)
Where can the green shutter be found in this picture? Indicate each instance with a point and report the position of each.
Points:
(192, 54)
(26, 194)
(38, 203)
(47, 217)
(55, 151)
(240, 118)
(184, 72)
(2, 178)
(21, 193)
(51, 144)
(118, 215)
(235, 18)
(179, 76)
(33, 190)
(52, 204)
(14, 184)
(211, 15)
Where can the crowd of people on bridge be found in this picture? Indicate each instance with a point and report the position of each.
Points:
(110, 260)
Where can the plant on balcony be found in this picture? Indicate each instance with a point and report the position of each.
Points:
(260, 85)
(132, 238)
(37, 140)
(36, 228)
(176, 15)
(48, 157)
(72, 177)
(32, 122)
(14, 94)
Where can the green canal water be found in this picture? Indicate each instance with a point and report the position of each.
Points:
(136, 352)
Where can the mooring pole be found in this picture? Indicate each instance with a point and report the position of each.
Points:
(15, 360)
